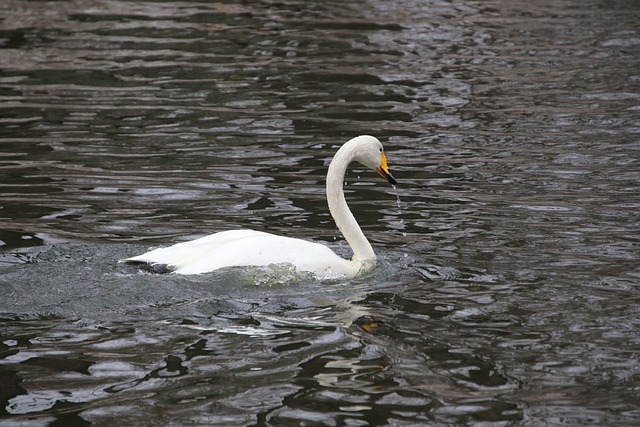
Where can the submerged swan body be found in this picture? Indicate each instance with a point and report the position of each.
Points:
(238, 248)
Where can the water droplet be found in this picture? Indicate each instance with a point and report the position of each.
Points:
(402, 227)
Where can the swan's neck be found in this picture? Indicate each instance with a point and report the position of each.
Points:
(346, 222)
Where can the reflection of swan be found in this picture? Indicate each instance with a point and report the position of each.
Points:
(254, 248)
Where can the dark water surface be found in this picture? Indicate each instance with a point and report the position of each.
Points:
(507, 291)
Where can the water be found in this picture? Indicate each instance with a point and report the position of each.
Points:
(507, 285)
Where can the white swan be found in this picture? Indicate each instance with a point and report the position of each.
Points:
(254, 248)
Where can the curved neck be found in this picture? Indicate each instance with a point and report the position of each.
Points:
(346, 222)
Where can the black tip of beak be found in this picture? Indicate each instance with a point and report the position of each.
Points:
(391, 179)
(386, 174)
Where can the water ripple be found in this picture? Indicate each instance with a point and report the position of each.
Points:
(506, 291)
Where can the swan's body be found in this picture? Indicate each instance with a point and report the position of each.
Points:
(238, 248)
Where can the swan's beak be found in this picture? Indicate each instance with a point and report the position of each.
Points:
(383, 170)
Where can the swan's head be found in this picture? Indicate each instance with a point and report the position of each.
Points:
(369, 152)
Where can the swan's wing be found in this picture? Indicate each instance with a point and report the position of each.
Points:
(182, 254)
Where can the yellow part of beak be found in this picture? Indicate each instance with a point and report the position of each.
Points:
(383, 170)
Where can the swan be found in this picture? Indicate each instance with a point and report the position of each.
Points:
(237, 248)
